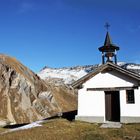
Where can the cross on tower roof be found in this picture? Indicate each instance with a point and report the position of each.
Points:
(107, 25)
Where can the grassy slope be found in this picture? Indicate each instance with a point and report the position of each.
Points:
(60, 129)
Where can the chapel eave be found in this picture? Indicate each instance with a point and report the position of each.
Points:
(105, 68)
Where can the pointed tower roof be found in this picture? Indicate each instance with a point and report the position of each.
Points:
(109, 50)
(108, 45)
(107, 39)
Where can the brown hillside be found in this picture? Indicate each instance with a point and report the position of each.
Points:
(24, 97)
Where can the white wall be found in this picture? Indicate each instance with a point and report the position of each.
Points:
(91, 103)
(111, 79)
(130, 109)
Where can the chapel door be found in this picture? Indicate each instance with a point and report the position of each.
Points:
(112, 106)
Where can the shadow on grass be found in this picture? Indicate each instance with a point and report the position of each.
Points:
(66, 115)
(15, 126)
(69, 115)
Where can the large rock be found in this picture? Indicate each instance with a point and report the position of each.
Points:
(25, 98)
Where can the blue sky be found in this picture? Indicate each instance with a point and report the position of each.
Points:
(60, 33)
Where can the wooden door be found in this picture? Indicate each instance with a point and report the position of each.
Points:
(112, 105)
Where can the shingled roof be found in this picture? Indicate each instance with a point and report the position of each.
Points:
(108, 66)
(108, 45)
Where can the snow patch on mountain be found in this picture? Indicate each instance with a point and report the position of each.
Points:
(133, 66)
(67, 75)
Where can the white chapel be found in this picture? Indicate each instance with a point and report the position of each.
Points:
(110, 92)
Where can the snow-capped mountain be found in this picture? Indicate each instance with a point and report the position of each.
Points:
(68, 75)
(65, 75)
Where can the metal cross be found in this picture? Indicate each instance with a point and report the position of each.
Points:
(107, 26)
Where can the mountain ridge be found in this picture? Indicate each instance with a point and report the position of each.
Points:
(67, 75)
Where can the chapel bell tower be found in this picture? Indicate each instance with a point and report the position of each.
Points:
(109, 50)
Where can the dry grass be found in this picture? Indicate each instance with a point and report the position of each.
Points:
(60, 129)
(2, 130)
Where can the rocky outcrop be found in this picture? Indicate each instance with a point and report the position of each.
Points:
(25, 98)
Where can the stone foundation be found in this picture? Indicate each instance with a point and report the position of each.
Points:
(127, 119)
(100, 119)
(91, 119)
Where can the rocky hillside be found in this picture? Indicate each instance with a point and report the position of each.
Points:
(67, 75)
(25, 98)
